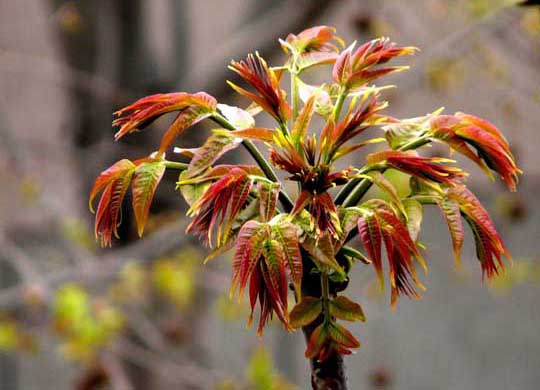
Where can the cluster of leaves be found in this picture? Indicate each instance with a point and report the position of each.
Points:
(275, 237)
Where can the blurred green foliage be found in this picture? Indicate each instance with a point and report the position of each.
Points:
(83, 326)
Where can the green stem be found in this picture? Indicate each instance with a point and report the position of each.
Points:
(176, 165)
(261, 161)
(295, 96)
(354, 190)
(339, 104)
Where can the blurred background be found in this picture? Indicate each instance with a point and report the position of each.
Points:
(146, 314)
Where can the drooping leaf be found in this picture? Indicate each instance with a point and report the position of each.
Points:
(489, 245)
(342, 337)
(145, 181)
(113, 183)
(216, 210)
(369, 231)
(275, 279)
(249, 248)
(344, 309)
(452, 215)
(317, 341)
(117, 170)
(424, 168)
(286, 234)
(465, 133)
(305, 312)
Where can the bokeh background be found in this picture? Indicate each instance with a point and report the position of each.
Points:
(146, 314)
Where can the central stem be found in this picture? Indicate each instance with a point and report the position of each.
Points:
(330, 373)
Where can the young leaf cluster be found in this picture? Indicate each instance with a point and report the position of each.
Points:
(281, 238)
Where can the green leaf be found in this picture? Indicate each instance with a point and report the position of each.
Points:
(323, 102)
(192, 192)
(268, 196)
(301, 125)
(414, 212)
(145, 181)
(386, 185)
(342, 336)
(408, 130)
(305, 312)
(344, 309)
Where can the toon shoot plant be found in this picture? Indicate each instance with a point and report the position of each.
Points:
(308, 241)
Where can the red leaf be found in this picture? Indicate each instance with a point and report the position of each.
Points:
(369, 231)
(145, 110)
(249, 248)
(463, 131)
(220, 204)
(114, 182)
(452, 214)
(318, 39)
(422, 167)
(353, 70)
(489, 245)
(117, 170)
(270, 97)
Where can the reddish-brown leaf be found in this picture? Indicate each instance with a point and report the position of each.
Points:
(116, 171)
(452, 215)
(145, 110)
